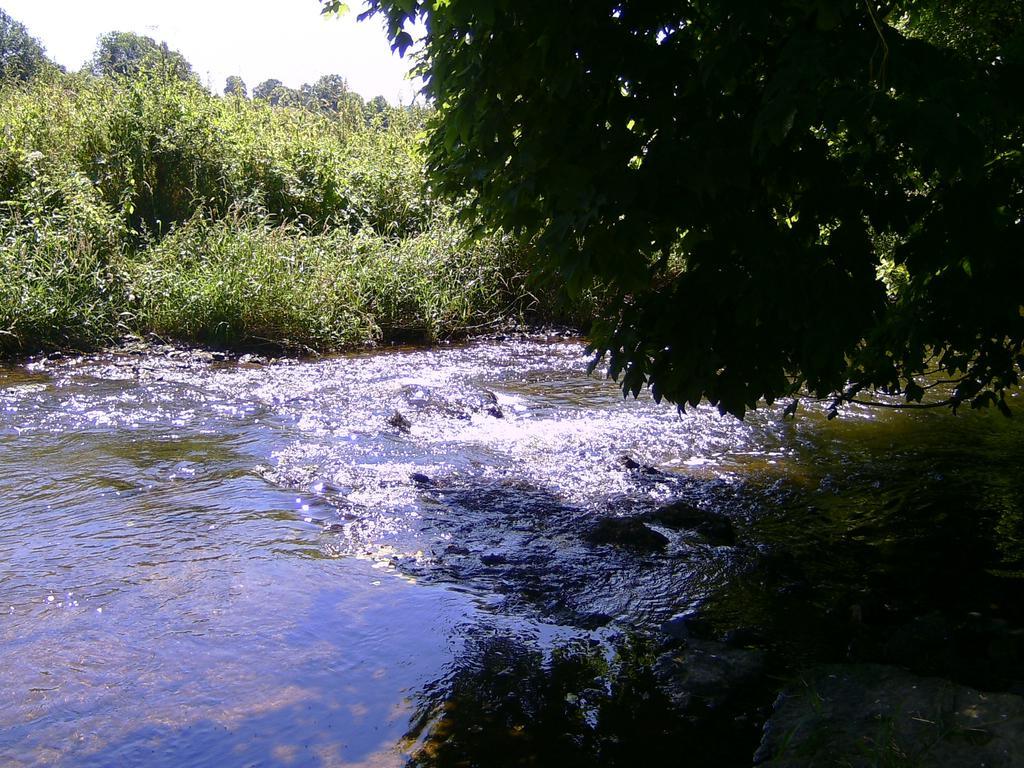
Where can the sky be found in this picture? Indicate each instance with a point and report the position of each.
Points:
(256, 39)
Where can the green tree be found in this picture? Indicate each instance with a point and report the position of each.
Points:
(377, 108)
(21, 55)
(264, 90)
(805, 195)
(331, 96)
(126, 53)
(235, 86)
(329, 93)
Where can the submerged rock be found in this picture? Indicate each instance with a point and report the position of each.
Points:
(551, 565)
(683, 626)
(682, 515)
(707, 674)
(485, 401)
(629, 532)
(869, 714)
(493, 558)
(593, 620)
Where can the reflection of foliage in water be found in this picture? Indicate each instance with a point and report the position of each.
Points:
(506, 704)
(904, 545)
(1009, 528)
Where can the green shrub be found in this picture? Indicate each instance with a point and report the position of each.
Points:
(144, 203)
(243, 281)
(60, 287)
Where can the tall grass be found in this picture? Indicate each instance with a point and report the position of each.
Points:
(244, 281)
(145, 203)
(58, 289)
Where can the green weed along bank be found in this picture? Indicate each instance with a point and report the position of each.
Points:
(242, 282)
(145, 203)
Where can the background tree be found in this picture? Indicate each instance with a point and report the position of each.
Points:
(126, 53)
(820, 195)
(235, 86)
(331, 96)
(21, 55)
(329, 92)
(377, 108)
(284, 96)
(266, 88)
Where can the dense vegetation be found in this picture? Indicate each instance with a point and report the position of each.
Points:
(132, 200)
(807, 195)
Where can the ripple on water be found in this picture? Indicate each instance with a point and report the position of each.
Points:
(253, 560)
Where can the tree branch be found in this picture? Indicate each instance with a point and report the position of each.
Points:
(905, 406)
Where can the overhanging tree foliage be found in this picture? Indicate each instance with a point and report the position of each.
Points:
(799, 195)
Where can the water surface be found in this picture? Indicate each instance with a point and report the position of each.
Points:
(214, 562)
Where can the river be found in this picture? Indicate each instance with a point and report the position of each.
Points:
(211, 561)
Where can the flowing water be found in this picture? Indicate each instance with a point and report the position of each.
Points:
(223, 562)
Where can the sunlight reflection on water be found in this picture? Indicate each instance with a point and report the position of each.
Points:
(211, 563)
(186, 521)
(252, 563)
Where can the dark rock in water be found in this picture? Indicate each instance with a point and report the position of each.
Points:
(707, 674)
(593, 620)
(399, 422)
(420, 479)
(485, 401)
(677, 627)
(419, 397)
(923, 644)
(219, 357)
(740, 636)
(869, 714)
(629, 462)
(683, 626)
(629, 532)
(493, 558)
(453, 549)
(681, 515)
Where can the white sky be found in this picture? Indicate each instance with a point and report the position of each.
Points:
(257, 39)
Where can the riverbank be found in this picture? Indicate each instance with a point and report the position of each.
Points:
(245, 283)
(144, 204)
